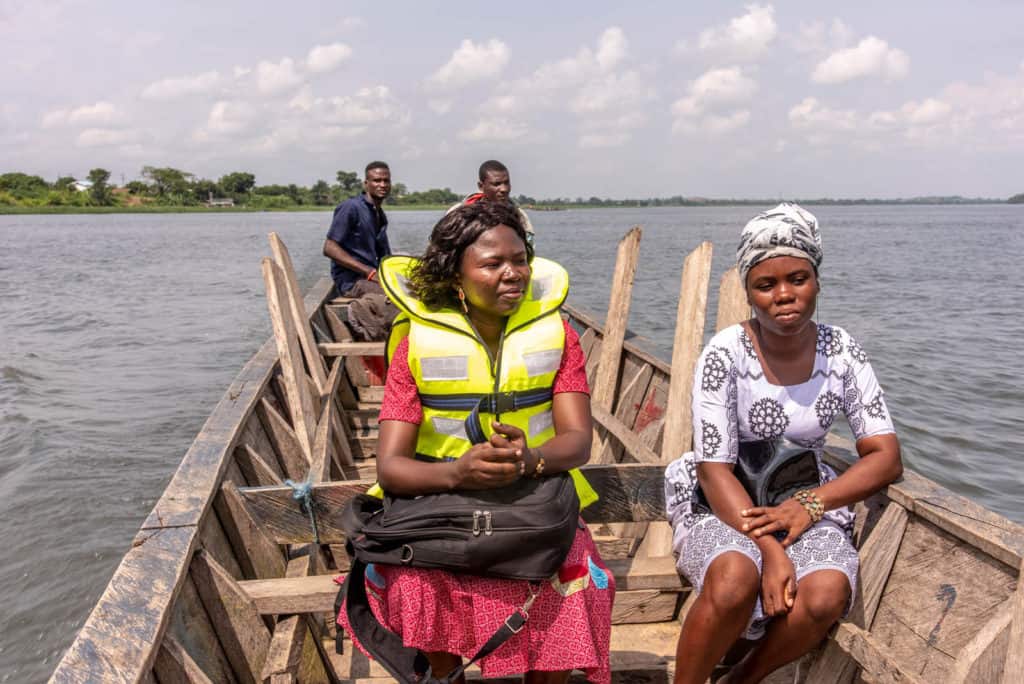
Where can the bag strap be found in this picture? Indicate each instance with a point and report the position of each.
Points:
(404, 663)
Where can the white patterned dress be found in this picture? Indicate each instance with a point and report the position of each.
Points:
(733, 402)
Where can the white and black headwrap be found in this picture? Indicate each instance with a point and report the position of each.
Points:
(786, 230)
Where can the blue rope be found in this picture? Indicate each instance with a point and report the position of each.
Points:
(303, 493)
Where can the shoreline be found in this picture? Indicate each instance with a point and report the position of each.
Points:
(144, 209)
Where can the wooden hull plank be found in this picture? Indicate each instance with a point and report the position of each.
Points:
(119, 640)
(175, 666)
(191, 627)
(1013, 669)
(241, 631)
(995, 535)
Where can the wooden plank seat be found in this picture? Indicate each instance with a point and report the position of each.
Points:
(352, 348)
(316, 593)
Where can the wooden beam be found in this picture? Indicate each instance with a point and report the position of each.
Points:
(300, 402)
(256, 470)
(876, 660)
(627, 404)
(629, 493)
(352, 348)
(316, 593)
(234, 617)
(686, 347)
(314, 362)
(257, 555)
(629, 440)
(294, 462)
(990, 532)
(732, 301)
(1013, 669)
(603, 390)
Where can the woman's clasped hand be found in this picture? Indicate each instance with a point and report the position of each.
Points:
(495, 463)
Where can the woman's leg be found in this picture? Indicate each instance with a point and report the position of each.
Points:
(442, 663)
(542, 677)
(821, 597)
(718, 616)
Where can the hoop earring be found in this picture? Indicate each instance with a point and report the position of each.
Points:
(462, 300)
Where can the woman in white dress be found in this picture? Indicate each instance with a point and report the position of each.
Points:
(780, 575)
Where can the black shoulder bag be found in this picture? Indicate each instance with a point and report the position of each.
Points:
(523, 531)
(770, 471)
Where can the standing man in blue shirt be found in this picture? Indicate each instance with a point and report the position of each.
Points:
(355, 244)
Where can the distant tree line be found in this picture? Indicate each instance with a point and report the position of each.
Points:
(170, 187)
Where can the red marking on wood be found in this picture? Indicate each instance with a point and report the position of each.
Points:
(649, 413)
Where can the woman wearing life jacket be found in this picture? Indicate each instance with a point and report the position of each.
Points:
(779, 575)
(480, 316)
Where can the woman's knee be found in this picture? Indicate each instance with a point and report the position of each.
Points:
(824, 595)
(732, 583)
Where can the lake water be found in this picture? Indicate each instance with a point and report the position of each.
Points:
(119, 333)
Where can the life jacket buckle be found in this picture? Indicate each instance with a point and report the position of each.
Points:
(503, 402)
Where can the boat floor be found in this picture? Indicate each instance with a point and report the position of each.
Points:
(640, 654)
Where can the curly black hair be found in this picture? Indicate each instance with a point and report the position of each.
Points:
(433, 278)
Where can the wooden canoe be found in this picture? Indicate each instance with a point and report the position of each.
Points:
(228, 581)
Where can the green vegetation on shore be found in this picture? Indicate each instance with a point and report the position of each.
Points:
(166, 189)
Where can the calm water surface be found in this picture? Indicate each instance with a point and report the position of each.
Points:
(118, 334)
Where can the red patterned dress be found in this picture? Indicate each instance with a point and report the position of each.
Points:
(437, 611)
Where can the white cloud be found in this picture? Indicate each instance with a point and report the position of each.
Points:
(228, 119)
(611, 48)
(502, 103)
(471, 62)
(303, 100)
(324, 58)
(494, 130)
(870, 57)
(744, 38)
(275, 77)
(373, 105)
(98, 114)
(170, 88)
(105, 137)
(611, 91)
(707, 96)
(812, 114)
(929, 111)
(241, 71)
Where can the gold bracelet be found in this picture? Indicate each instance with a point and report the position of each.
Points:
(812, 504)
(538, 469)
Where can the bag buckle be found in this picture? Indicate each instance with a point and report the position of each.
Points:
(523, 614)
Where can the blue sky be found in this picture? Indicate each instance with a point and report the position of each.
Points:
(794, 99)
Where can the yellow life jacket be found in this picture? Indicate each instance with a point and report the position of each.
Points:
(461, 388)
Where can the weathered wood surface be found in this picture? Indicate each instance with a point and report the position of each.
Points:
(257, 555)
(990, 532)
(984, 656)
(634, 344)
(190, 626)
(237, 623)
(629, 493)
(636, 377)
(618, 431)
(314, 362)
(603, 391)
(832, 665)
(352, 348)
(294, 462)
(732, 301)
(316, 593)
(1013, 669)
(686, 347)
(119, 640)
(293, 373)
(175, 666)
(878, 661)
